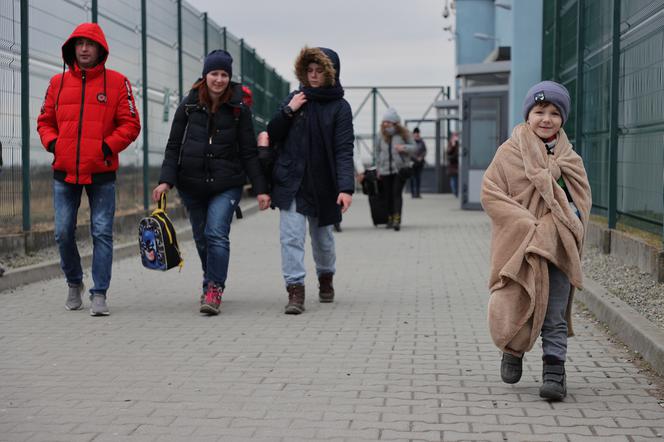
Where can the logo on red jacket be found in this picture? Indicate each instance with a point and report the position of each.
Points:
(101, 97)
(130, 100)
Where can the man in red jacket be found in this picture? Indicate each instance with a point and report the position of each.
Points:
(87, 119)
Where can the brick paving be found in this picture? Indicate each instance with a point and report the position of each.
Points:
(404, 354)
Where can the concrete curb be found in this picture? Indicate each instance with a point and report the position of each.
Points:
(631, 327)
(51, 269)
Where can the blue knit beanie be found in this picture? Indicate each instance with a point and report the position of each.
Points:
(218, 59)
(549, 91)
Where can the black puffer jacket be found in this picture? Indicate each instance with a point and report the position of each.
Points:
(210, 154)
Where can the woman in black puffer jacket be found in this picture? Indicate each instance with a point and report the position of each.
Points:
(210, 151)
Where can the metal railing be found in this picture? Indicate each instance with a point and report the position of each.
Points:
(414, 104)
(608, 54)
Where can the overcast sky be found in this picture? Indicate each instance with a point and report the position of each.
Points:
(380, 42)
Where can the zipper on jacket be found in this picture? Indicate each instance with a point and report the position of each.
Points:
(208, 177)
(80, 126)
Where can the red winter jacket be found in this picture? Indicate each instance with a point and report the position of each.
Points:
(88, 116)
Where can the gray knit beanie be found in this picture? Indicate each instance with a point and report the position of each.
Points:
(391, 115)
(549, 91)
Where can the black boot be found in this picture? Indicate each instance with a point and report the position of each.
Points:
(554, 382)
(511, 368)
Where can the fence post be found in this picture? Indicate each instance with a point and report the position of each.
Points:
(439, 167)
(374, 120)
(613, 128)
(25, 114)
(555, 40)
(205, 34)
(225, 39)
(144, 68)
(180, 75)
(242, 61)
(95, 11)
(580, 45)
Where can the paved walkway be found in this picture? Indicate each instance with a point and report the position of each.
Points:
(403, 355)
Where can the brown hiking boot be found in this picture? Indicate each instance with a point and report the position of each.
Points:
(295, 299)
(326, 291)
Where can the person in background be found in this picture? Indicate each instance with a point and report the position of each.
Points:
(394, 147)
(419, 160)
(2, 270)
(88, 117)
(210, 151)
(453, 162)
(313, 178)
(537, 194)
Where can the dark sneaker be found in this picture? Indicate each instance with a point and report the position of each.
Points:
(211, 304)
(326, 290)
(396, 222)
(295, 304)
(511, 368)
(554, 383)
(74, 301)
(99, 307)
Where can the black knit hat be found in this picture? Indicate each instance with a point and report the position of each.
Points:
(218, 59)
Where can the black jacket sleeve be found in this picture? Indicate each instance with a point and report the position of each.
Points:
(279, 125)
(344, 138)
(249, 152)
(169, 167)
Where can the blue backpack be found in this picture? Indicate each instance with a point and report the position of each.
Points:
(156, 239)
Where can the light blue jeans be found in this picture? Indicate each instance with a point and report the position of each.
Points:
(292, 232)
(211, 218)
(66, 201)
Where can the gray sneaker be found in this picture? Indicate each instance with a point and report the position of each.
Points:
(99, 307)
(74, 301)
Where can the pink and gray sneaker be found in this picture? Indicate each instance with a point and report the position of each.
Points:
(211, 303)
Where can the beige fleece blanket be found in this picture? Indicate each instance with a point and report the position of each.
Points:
(532, 224)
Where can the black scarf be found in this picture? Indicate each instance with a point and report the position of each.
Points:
(315, 98)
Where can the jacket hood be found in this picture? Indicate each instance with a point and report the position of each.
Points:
(90, 31)
(325, 57)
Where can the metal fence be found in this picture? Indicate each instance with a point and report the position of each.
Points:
(158, 44)
(609, 55)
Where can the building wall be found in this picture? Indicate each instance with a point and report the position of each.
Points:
(526, 53)
(474, 16)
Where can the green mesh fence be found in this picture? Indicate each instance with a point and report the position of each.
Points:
(638, 186)
(50, 23)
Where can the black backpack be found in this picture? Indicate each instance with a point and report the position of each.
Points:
(156, 240)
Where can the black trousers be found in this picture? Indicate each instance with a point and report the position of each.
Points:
(392, 193)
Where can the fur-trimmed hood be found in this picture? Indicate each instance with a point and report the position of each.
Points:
(325, 57)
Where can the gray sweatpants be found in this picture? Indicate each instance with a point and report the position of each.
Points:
(554, 329)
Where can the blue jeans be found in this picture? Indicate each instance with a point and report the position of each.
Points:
(66, 201)
(454, 180)
(210, 218)
(292, 232)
